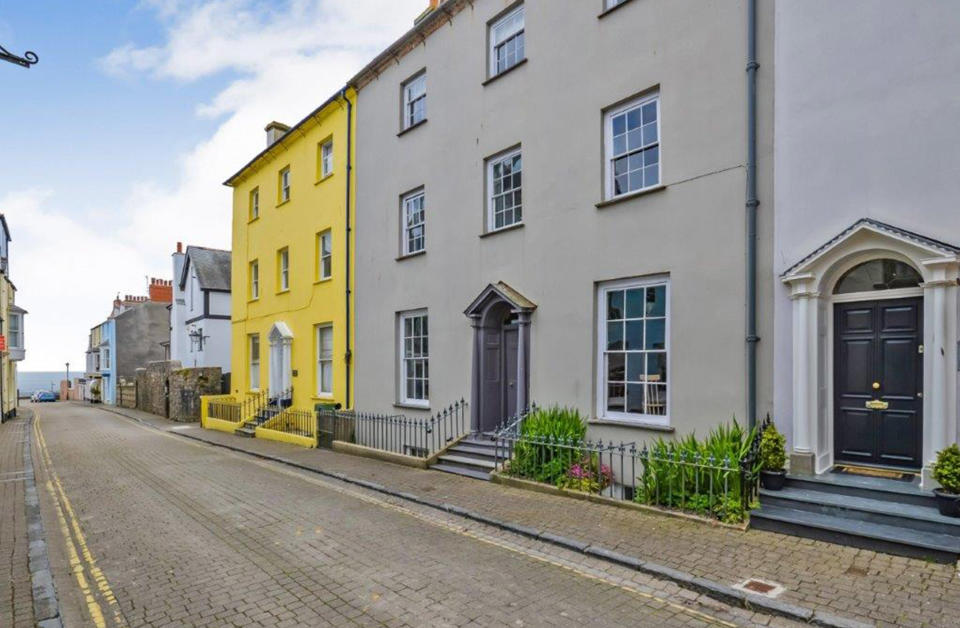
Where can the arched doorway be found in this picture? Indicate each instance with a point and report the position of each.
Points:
(501, 357)
(878, 365)
(281, 342)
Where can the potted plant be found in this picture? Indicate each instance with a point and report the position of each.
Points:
(773, 457)
(946, 471)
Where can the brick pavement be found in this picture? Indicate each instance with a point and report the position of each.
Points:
(849, 582)
(16, 601)
(189, 535)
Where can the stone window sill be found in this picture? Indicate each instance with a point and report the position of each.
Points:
(639, 425)
(411, 406)
(412, 127)
(610, 10)
(487, 234)
(632, 195)
(505, 72)
(405, 256)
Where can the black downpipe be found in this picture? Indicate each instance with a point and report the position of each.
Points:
(751, 206)
(349, 353)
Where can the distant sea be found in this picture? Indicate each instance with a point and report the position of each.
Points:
(28, 382)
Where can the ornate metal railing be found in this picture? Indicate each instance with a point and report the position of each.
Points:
(418, 437)
(513, 426)
(723, 488)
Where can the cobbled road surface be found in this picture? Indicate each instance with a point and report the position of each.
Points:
(149, 529)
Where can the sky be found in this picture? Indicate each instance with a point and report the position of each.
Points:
(117, 142)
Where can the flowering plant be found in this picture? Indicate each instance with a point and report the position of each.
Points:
(588, 475)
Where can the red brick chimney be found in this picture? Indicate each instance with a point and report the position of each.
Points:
(161, 290)
(179, 247)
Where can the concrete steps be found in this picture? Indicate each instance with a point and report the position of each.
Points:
(473, 457)
(872, 513)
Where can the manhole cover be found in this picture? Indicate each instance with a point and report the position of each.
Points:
(760, 587)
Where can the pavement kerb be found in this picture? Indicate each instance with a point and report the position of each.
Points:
(46, 605)
(715, 590)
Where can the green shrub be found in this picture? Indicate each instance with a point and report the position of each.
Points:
(548, 445)
(946, 470)
(773, 452)
(697, 476)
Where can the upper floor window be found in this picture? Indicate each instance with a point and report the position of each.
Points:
(324, 255)
(633, 334)
(106, 357)
(254, 279)
(254, 203)
(504, 196)
(324, 360)
(415, 101)
(15, 331)
(285, 185)
(283, 269)
(507, 41)
(414, 219)
(326, 159)
(632, 146)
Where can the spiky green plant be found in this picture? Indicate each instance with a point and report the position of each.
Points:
(548, 444)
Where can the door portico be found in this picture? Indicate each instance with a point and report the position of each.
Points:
(281, 342)
(813, 282)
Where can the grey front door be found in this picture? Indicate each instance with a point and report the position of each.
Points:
(878, 382)
(499, 386)
(510, 343)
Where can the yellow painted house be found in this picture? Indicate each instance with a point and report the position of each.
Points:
(292, 255)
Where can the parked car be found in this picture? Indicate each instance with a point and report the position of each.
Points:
(45, 395)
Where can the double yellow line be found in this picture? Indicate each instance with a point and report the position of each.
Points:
(82, 563)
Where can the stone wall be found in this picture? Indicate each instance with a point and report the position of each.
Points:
(127, 394)
(152, 386)
(186, 387)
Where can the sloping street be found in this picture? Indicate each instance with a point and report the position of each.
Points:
(148, 529)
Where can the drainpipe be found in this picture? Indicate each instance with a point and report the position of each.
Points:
(349, 353)
(751, 207)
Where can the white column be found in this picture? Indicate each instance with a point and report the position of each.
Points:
(523, 320)
(805, 393)
(476, 372)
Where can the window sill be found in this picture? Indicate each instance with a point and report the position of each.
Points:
(283, 291)
(412, 127)
(516, 225)
(610, 10)
(640, 425)
(253, 300)
(324, 178)
(412, 406)
(505, 72)
(253, 220)
(323, 397)
(282, 203)
(400, 258)
(323, 280)
(632, 195)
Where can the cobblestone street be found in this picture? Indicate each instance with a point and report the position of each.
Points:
(150, 529)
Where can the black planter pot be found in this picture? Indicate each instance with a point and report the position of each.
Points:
(772, 480)
(948, 503)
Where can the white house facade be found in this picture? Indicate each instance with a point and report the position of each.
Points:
(200, 311)
(867, 233)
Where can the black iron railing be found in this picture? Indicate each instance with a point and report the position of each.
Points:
(418, 437)
(723, 488)
(291, 421)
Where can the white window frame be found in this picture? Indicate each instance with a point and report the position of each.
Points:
(105, 357)
(414, 91)
(601, 362)
(15, 331)
(285, 184)
(284, 262)
(494, 44)
(324, 255)
(491, 200)
(254, 361)
(255, 203)
(608, 145)
(405, 361)
(254, 280)
(406, 206)
(324, 360)
(326, 159)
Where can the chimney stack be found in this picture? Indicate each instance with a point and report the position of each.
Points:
(160, 291)
(179, 247)
(275, 131)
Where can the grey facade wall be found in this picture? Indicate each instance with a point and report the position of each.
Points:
(139, 331)
(552, 106)
(867, 101)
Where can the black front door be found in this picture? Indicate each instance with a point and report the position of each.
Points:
(878, 382)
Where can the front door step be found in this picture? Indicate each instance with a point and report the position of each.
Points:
(882, 515)
(472, 457)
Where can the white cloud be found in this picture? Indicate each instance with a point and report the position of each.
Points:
(282, 59)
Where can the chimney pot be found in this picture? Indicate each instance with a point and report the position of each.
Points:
(179, 247)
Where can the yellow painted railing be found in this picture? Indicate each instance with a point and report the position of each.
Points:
(220, 412)
(298, 427)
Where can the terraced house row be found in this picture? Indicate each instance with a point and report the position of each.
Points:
(663, 214)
